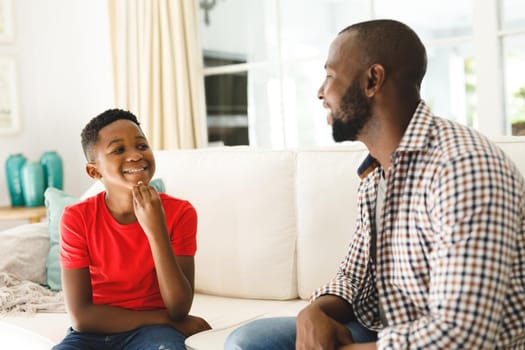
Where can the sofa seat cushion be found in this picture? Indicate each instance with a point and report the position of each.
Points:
(226, 314)
(14, 337)
(40, 329)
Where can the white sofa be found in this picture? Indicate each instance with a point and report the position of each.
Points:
(273, 226)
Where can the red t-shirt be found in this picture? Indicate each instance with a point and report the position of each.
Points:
(119, 256)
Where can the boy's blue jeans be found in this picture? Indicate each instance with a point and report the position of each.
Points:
(279, 334)
(155, 337)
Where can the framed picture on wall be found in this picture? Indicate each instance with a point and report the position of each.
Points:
(9, 121)
(6, 21)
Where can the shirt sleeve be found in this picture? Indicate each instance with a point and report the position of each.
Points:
(184, 231)
(474, 207)
(73, 246)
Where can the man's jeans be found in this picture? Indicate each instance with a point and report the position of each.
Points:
(279, 334)
(155, 337)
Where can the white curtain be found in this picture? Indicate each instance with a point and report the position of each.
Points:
(157, 67)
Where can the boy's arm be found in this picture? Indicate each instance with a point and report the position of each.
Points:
(88, 317)
(175, 273)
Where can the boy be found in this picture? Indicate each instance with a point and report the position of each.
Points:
(127, 253)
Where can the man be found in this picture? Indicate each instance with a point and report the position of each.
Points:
(437, 260)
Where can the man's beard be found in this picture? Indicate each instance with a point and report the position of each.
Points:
(353, 116)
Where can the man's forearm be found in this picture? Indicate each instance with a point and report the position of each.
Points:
(336, 307)
(359, 346)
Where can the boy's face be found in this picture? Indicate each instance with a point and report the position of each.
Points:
(121, 156)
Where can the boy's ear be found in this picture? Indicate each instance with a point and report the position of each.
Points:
(91, 170)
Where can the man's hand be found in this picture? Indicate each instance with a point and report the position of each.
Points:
(191, 325)
(316, 330)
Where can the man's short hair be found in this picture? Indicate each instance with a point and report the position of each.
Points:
(394, 45)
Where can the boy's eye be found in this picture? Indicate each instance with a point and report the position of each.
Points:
(143, 146)
(118, 150)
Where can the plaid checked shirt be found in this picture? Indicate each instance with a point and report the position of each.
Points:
(450, 266)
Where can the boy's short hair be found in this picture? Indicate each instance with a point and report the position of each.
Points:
(89, 135)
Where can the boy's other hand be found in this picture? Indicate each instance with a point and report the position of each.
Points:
(190, 325)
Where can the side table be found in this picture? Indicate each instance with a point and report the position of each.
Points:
(31, 214)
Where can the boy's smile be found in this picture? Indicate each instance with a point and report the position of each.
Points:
(137, 173)
(122, 156)
(134, 171)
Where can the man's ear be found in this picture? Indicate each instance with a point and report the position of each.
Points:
(375, 78)
(91, 170)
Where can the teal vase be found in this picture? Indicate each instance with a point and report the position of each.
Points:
(33, 184)
(13, 171)
(53, 171)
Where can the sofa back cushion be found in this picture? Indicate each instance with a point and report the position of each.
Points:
(327, 184)
(514, 146)
(245, 204)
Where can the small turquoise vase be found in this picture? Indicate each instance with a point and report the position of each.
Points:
(13, 171)
(53, 170)
(33, 183)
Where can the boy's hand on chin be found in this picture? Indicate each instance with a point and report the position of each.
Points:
(148, 209)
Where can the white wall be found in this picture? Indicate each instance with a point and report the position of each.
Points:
(63, 59)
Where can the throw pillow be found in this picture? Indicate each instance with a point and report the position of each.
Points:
(24, 251)
(55, 201)
(158, 184)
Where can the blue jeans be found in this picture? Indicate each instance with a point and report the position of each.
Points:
(279, 334)
(155, 337)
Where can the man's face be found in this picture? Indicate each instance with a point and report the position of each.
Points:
(122, 156)
(353, 114)
(348, 108)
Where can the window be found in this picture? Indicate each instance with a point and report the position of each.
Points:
(512, 32)
(226, 103)
(446, 29)
(281, 45)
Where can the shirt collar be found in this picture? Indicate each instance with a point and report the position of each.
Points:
(414, 138)
(416, 135)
